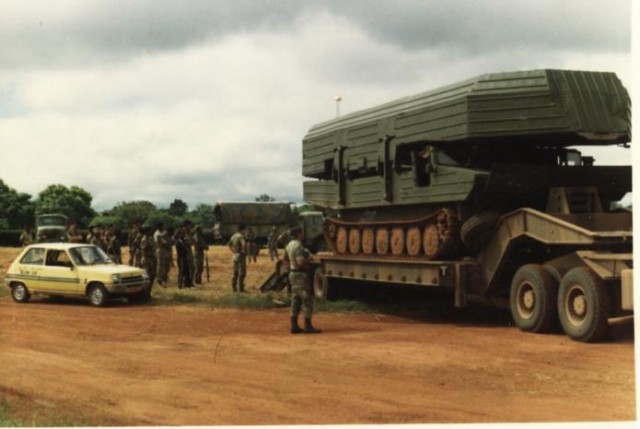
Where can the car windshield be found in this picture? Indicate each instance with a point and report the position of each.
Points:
(89, 255)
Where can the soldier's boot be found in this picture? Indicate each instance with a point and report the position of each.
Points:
(295, 329)
(309, 329)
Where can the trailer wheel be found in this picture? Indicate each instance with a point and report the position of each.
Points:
(533, 299)
(354, 241)
(397, 241)
(368, 241)
(583, 305)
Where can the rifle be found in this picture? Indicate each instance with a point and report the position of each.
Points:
(206, 264)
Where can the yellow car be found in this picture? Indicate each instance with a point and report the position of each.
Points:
(73, 269)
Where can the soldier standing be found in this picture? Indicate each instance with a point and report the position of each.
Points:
(148, 252)
(134, 230)
(272, 243)
(200, 246)
(26, 238)
(298, 258)
(113, 245)
(183, 241)
(160, 238)
(238, 246)
(252, 246)
(73, 235)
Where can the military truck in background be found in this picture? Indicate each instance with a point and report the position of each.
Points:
(51, 228)
(262, 216)
(478, 188)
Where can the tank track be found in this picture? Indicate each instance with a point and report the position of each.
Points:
(431, 237)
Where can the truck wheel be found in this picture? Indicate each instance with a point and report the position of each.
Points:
(583, 305)
(20, 293)
(98, 295)
(321, 287)
(533, 299)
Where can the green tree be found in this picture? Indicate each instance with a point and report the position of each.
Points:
(178, 208)
(203, 215)
(132, 211)
(162, 216)
(74, 202)
(16, 208)
(265, 198)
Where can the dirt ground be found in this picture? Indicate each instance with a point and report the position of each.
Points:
(197, 365)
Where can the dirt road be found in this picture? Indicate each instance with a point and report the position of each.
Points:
(159, 365)
(195, 365)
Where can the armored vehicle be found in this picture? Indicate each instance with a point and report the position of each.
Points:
(478, 186)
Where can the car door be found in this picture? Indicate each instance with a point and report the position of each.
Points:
(30, 267)
(59, 275)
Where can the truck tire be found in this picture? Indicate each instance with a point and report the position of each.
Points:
(414, 241)
(584, 305)
(397, 241)
(354, 241)
(382, 241)
(342, 240)
(321, 287)
(476, 231)
(368, 241)
(533, 299)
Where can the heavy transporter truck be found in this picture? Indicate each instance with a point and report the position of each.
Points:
(476, 188)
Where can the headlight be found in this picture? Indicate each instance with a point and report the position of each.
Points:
(116, 278)
(145, 275)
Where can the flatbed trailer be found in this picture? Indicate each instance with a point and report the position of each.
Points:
(575, 270)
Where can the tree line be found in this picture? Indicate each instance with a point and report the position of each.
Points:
(19, 210)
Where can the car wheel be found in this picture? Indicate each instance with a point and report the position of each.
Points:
(98, 296)
(20, 293)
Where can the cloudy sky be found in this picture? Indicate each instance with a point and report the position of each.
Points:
(207, 100)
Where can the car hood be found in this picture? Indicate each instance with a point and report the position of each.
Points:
(107, 269)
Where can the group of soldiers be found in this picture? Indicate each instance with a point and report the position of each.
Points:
(152, 249)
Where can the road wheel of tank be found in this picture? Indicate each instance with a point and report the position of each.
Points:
(20, 293)
(98, 295)
(533, 299)
(431, 241)
(584, 305)
(368, 241)
(332, 230)
(414, 241)
(397, 241)
(382, 241)
(342, 240)
(354, 241)
(476, 231)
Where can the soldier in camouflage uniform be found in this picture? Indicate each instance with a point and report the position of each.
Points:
(298, 258)
(113, 245)
(134, 230)
(184, 248)
(160, 239)
(272, 243)
(26, 238)
(252, 246)
(200, 247)
(148, 252)
(238, 246)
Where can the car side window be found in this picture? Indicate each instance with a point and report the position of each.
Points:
(34, 256)
(58, 258)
